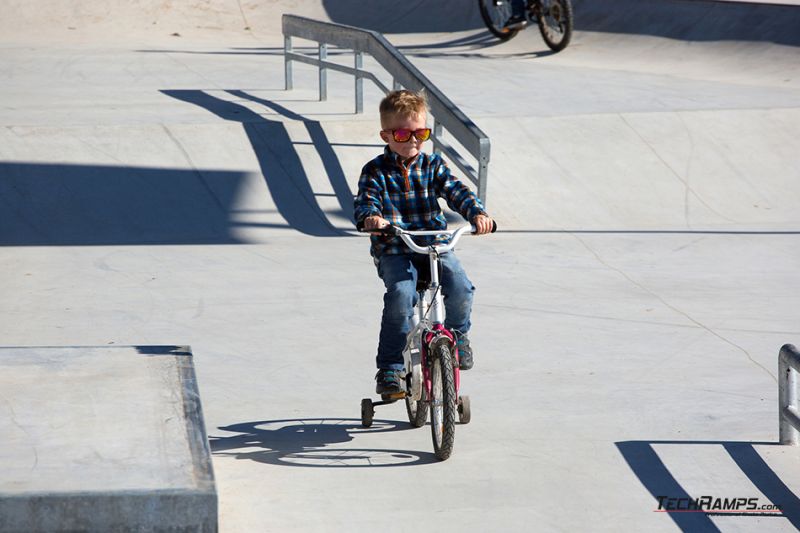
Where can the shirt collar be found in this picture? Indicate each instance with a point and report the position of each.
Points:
(397, 160)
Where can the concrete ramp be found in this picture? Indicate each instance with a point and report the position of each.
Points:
(103, 439)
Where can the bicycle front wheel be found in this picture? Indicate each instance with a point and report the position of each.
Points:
(555, 23)
(443, 402)
(495, 14)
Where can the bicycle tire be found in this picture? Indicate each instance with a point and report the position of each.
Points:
(443, 401)
(551, 14)
(495, 13)
(417, 410)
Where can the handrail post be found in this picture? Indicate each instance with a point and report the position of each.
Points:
(483, 171)
(788, 419)
(287, 62)
(359, 64)
(323, 72)
(437, 134)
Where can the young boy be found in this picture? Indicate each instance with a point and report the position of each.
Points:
(401, 187)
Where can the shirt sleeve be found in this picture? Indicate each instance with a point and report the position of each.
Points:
(368, 200)
(459, 197)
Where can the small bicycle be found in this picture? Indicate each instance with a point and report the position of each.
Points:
(432, 377)
(554, 18)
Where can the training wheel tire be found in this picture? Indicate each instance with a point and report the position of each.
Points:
(367, 412)
(464, 413)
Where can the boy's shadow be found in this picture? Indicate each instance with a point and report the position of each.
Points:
(307, 442)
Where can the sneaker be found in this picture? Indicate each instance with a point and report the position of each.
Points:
(465, 361)
(388, 382)
(516, 22)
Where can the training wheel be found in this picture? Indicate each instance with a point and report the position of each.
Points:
(367, 412)
(464, 414)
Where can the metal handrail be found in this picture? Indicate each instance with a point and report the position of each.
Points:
(444, 112)
(788, 415)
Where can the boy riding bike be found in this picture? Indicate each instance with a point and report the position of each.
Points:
(401, 187)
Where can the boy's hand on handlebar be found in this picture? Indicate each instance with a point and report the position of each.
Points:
(375, 222)
(483, 224)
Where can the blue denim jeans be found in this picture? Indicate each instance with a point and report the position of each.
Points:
(399, 275)
(518, 8)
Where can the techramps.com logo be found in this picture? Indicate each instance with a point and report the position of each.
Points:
(711, 505)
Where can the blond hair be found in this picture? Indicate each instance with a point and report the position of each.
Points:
(403, 103)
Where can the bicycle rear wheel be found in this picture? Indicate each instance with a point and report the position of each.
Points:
(555, 20)
(495, 13)
(417, 410)
(443, 402)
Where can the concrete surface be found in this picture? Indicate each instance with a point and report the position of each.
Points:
(103, 439)
(628, 316)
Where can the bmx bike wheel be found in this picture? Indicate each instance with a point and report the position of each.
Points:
(443, 402)
(495, 13)
(367, 412)
(464, 412)
(555, 19)
(417, 410)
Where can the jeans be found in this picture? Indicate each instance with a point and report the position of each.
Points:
(518, 8)
(399, 275)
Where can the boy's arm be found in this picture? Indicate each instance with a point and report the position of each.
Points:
(459, 197)
(368, 201)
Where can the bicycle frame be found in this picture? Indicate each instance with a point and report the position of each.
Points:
(428, 331)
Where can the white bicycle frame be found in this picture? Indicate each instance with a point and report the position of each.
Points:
(430, 301)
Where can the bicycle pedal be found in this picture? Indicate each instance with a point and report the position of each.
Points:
(394, 396)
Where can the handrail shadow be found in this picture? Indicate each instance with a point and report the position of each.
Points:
(660, 482)
(280, 162)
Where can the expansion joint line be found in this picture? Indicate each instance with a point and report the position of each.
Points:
(673, 308)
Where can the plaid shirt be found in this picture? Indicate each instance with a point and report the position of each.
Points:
(407, 196)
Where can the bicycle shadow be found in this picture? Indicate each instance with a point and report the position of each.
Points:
(310, 442)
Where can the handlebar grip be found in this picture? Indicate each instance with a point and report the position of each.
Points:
(494, 227)
(388, 230)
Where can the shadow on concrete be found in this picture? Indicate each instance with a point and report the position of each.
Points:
(93, 205)
(695, 20)
(411, 16)
(280, 163)
(306, 442)
(650, 231)
(471, 46)
(163, 350)
(657, 479)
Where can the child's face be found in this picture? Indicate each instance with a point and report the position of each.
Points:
(408, 149)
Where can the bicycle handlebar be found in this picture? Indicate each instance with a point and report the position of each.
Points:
(407, 236)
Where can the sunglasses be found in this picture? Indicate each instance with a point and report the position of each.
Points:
(403, 135)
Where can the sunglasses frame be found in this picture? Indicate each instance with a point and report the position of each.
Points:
(412, 133)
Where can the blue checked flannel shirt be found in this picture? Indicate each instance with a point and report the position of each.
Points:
(408, 198)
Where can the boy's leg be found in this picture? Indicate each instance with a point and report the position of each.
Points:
(517, 19)
(400, 278)
(458, 291)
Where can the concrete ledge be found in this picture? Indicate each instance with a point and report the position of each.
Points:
(103, 439)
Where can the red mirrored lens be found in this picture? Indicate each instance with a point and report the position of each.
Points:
(423, 135)
(401, 135)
